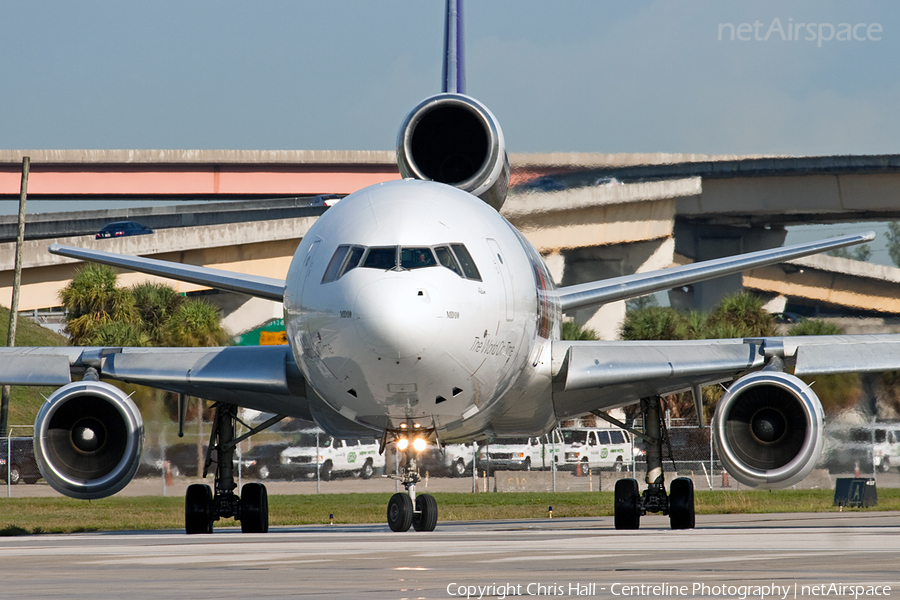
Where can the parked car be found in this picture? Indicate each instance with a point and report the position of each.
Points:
(182, 459)
(22, 466)
(122, 229)
(264, 461)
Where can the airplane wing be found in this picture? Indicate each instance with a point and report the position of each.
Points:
(640, 284)
(600, 375)
(261, 287)
(264, 378)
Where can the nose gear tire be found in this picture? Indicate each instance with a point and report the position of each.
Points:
(400, 512)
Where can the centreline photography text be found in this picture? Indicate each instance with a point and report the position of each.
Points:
(739, 591)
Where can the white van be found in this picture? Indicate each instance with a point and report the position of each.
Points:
(608, 448)
(886, 447)
(553, 448)
(521, 453)
(334, 456)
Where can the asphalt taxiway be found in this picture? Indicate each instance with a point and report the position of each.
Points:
(733, 556)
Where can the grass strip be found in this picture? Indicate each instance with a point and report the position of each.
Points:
(23, 516)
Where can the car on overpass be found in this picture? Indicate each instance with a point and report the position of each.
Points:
(122, 229)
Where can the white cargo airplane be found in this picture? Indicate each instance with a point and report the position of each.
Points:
(414, 311)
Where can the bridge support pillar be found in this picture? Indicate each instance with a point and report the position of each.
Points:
(702, 241)
(581, 265)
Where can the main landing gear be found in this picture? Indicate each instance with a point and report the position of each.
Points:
(203, 506)
(631, 505)
(406, 509)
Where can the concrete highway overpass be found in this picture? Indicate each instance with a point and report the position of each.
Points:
(670, 208)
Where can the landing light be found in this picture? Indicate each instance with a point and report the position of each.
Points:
(419, 444)
(402, 443)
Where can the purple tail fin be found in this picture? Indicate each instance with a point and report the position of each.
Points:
(454, 76)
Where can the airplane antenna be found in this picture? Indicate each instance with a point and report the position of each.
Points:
(454, 76)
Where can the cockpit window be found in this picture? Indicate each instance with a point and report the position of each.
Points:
(465, 259)
(353, 260)
(334, 267)
(451, 256)
(417, 258)
(346, 258)
(446, 258)
(381, 258)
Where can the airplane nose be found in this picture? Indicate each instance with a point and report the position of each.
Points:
(398, 317)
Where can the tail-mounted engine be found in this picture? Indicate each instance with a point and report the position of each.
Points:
(768, 429)
(454, 139)
(87, 440)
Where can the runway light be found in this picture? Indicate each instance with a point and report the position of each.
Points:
(402, 444)
(419, 444)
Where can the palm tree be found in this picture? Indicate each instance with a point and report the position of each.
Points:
(92, 299)
(195, 323)
(119, 333)
(570, 330)
(739, 315)
(654, 323)
(156, 303)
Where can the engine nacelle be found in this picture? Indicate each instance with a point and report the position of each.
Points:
(454, 139)
(768, 429)
(87, 440)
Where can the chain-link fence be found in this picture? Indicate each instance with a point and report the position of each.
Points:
(170, 463)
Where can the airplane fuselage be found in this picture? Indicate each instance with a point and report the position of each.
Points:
(415, 302)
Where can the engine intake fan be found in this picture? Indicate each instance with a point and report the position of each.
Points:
(88, 438)
(768, 429)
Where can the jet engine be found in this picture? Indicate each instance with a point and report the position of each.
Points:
(87, 440)
(454, 139)
(768, 429)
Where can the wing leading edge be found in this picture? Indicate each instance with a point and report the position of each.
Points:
(640, 284)
(261, 287)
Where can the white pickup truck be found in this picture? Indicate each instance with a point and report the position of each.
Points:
(454, 460)
(334, 456)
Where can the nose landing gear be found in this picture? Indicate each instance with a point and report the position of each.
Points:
(404, 512)
(406, 509)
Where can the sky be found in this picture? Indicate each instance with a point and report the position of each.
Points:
(568, 75)
(694, 76)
